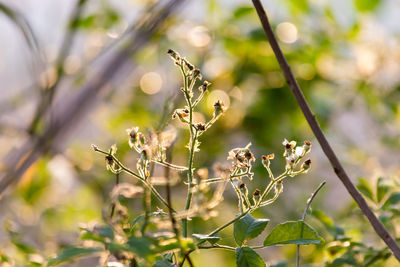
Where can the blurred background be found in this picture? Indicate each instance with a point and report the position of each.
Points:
(76, 73)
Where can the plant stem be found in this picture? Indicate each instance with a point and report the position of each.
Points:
(127, 170)
(326, 147)
(193, 139)
(304, 217)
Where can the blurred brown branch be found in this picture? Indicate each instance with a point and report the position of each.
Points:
(67, 113)
(326, 147)
(47, 94)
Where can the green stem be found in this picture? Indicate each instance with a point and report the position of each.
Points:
(127, 170)
(190, 182)
(170, 165)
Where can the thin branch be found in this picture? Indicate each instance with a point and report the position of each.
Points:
(330, 154)
(68, 112)
(304, 217)
(113, 204)
(49, 93)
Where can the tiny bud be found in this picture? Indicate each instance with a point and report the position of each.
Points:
(200, 126)
(219, 108)
(307, 146)
(248, 155)
(188, 65)
(204, 86)
(242, 185)
(306, 165)
(109, 159)
(146, 153)
(256, 192)
(197, 74)
(174, 55)
(95, 148)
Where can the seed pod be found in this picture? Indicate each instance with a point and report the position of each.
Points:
(174, 55)
(256, 192)
(200, 127)
(204, 86)
(307, 146)
(219, 108)
(306, 165)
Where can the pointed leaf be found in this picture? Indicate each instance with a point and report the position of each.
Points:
(381, 189)
(211, 239)
(71, 253)
(163, 263)
(247, 228)
(365, 188)
(247, 257)
(298, 233)
(392, 200)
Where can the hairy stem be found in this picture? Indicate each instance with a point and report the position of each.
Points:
(127, 170)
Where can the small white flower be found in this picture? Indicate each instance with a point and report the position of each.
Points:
(299, 151)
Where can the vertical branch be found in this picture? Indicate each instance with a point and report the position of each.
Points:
(48, 93)
(330, 154)
(304, 217)
(113, 204)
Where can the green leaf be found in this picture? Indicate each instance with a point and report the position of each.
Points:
(246, 257)
(247, 228)
(328, 223)
(163, 263)
(71, 253)
(392, 200)
(211, 239)
(381, 189)
(366, 5)
(242, 11)
(297, 232)
(140, 246)
(365, 188)
(99, 234)
(279, 264)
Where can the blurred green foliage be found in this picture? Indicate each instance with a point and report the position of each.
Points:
(345, 56)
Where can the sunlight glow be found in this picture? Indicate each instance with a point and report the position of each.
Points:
(151, 83)
(287, 32)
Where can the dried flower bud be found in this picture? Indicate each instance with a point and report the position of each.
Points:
(306, 165)
(200, 127)
(249, 155)
(265, 160)
(307, 146)
(174, 55)
(242, 185)
(110, 163)
(133, 136)
(256, 192)
(188, 64)
(204, 86)
(219, 108)
(146, 153)
(197, 74)
(181, 114)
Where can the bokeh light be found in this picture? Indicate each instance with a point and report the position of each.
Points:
(151, 83)
(287, 32)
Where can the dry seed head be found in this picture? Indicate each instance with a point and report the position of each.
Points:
(204, 86)
(256, 192)
(174, 55)
(200, 126)
(306, 165)
(219, 108)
